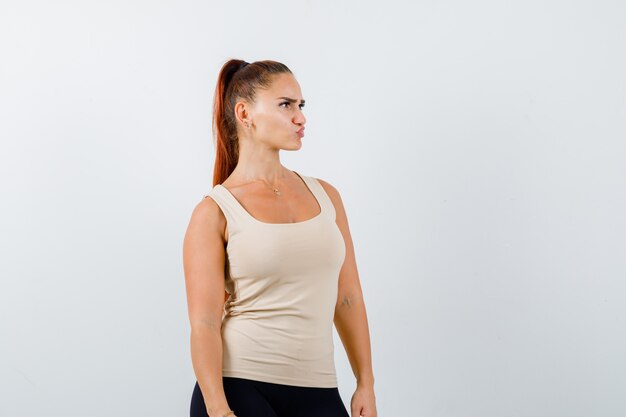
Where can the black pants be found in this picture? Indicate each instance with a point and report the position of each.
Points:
(250, 398)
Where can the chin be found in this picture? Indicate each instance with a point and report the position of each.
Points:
(293, 146)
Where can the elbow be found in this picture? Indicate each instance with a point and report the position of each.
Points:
(206, 325)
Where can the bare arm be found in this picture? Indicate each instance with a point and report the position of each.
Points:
(350, 314)
(203, 261)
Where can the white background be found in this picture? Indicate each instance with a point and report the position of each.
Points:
(479, 148)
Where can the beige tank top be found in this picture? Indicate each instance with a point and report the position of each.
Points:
(283, 281)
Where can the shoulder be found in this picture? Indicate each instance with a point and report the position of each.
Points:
(329, 188)
(333, 193)
(207, 215)
(207, 207)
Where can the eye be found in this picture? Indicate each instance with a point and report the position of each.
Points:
(288, 103)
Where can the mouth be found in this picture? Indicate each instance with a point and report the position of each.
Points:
(300, 132)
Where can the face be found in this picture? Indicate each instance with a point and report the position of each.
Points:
(275, 120)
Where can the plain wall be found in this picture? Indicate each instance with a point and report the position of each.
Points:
(479, 148)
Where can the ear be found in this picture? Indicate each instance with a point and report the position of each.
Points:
(242, 112)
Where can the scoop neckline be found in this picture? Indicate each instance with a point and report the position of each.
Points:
(306, 184)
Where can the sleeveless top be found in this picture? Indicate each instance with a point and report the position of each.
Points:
(282, 280)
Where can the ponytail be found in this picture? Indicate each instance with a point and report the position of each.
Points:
(237, 80)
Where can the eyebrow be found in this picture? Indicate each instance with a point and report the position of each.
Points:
(291, 100)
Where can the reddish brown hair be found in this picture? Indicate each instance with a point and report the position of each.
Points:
(237, 80)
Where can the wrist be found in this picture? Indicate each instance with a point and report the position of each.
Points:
(223, 411)
(365, 382)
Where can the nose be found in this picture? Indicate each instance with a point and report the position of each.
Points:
(299, 118)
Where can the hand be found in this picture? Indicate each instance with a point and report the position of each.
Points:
(363, 402)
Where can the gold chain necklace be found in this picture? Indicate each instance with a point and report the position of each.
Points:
(274, 189)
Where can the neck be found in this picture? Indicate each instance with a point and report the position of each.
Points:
(269, 169)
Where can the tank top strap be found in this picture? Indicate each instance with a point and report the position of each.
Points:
(235, 217)
(323, 198)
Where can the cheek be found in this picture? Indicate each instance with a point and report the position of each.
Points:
(268, 126)
(277, 121)
(270, 123)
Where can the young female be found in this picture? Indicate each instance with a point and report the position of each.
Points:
(270, 266)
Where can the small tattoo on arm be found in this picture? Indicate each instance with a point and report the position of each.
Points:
(346, 302)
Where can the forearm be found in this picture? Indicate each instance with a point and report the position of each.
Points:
(351, 324)
(206, 356)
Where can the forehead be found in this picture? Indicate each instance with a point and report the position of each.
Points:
(282, 85)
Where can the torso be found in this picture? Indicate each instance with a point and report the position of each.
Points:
(281, 279)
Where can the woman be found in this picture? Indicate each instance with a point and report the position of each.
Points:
(269, 266)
